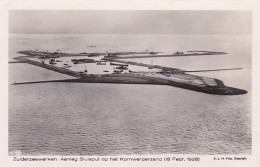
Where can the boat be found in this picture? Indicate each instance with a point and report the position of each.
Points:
(151, 67)
(117, 71)
(91, 46)
(80, 61)
(151, 52)
(52, 61)
(122, 67)
(66, 66)
(105, 71)
(178, 53)
(85, 69)
(93, 54)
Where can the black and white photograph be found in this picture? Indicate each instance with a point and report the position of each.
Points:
(133, 82)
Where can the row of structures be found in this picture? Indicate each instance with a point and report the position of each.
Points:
(121, 65)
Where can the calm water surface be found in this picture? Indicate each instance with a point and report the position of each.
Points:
(112, 119)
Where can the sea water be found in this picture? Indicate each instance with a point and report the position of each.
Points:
(112, 119)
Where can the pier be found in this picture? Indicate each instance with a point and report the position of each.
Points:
(47, 66)
(13, 62)
(225, 69)
(169, 69)
(193, 53)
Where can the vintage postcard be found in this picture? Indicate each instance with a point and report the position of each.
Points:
(130, 87)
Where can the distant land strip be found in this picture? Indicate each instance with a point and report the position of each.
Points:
(10, 62)
(216, 70)
(200, 51)
(35, 82)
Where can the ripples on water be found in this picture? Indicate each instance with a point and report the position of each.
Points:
(112, 119)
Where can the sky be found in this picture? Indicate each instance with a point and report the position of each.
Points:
(129, 22)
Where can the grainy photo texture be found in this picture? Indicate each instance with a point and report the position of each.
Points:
(129, 82)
